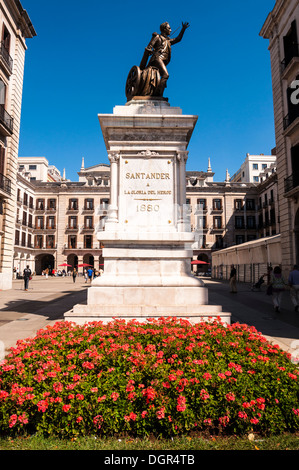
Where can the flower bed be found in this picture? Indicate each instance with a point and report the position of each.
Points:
(162, 377)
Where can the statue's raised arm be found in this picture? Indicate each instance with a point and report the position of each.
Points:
(150, 78)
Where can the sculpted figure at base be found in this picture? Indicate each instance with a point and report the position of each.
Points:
(150, 78)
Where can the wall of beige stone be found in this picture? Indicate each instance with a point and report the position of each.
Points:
(12, 18)
(275, 28)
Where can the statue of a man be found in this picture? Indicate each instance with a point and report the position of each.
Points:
(159, 49)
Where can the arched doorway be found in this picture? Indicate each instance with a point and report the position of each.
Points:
(88, 259)
(44, 261)
(296, 233)
(72, 259)
(203, 268)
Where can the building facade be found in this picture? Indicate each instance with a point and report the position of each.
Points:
(57, 221)
(281, 30)
(15, 28)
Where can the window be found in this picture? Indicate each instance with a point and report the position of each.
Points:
(239, 221)
(25, 199)
(72, 241)
(52, 204)
(40, 204)
(30, 220)
(6, 38)
(219, 241)
(264, 165)
(88, 222)
(31, 202)
(51, 222)
(50, 241)
(238, 204)
(17, 237)
(217, 222)
(38, 241)
(88, 241)
(2, 160)
(250, 204)
(88, 204)
(73, 222)
(217, 204)
(39, 222)
(23, 238)
(202, 203)
(250, 222)
(73, 204)
(32, 167)
(201, 222)
(255, 166)
(290, 44)
(2, 92)
(29, 241)
(256, 179)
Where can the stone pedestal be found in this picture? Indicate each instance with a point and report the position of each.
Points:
(147, 237)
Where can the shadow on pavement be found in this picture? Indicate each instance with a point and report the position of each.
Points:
(52, 308)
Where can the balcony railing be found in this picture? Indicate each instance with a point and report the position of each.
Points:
(6, 57)
(291, 182)
(6, 119)
(5, 184)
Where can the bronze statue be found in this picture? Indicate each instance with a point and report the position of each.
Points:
(150, 78)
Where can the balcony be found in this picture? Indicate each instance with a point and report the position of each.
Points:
(291, 185)
(217, 229)
(5, 184)
(290, 124)
(72, 228)
(287, 64)
(5, 58)
(6, 122)
(87, 228)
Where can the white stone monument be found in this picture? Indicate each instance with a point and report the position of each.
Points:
(147, 237)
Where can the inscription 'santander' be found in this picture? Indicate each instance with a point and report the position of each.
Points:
(147, 176)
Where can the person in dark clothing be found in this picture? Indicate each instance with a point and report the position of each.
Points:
(233, 280)
(27, 277)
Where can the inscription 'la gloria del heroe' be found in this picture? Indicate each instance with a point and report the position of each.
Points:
(147, 176)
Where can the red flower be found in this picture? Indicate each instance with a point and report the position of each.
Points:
(114, 396)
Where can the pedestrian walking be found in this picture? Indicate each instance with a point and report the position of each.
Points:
(294, 286)
(27, 277)
(233, 280)
(85, 275)
(74, 275)
(278, 286)
(90, 274)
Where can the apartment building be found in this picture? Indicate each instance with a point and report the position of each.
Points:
(251, 168)
(62, 227)
(281, 30)
(15, 28)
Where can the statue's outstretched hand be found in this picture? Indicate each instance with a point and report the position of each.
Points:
(185, 25)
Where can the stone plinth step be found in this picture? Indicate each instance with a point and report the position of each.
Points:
(194, 313)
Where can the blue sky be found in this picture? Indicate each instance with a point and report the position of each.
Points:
(77, 65)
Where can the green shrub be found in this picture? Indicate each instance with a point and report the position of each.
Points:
(162, 377)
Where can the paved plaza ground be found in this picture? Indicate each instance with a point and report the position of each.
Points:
(23, 313)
